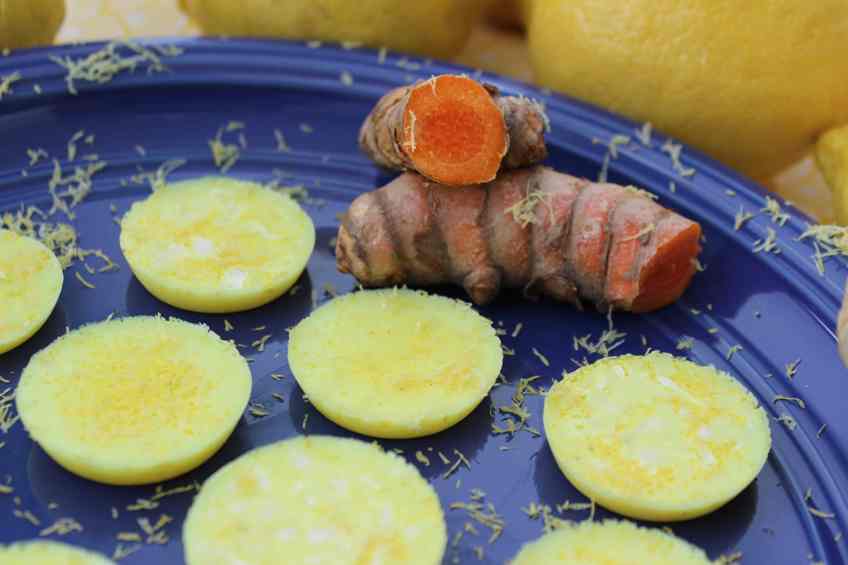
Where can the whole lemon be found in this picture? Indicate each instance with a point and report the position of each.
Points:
(436, 28)
(752, 83)
(832, 158)
(26, 23)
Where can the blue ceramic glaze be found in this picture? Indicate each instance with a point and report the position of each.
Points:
(777, 307)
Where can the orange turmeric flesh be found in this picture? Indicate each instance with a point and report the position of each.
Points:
(544, 232)
(454, 130)
(454, 133)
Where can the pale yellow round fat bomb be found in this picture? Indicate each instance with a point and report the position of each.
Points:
(609, 543)
(134, 401)
(656, 437)
(395, 363)
(217, 244)
(44, 552)
(30, 283)
(316, 499)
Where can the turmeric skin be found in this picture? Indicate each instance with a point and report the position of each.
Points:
(454, 130)
(545, 232)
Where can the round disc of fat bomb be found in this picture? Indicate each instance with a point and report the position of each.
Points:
(316, 499)
(30, 283)
(134, 401)
(44, 552)
(656, 437)
(609, 543)
(217, 244)
(395, 363)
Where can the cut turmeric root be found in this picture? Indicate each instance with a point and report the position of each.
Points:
(454, 131)
(536, 229)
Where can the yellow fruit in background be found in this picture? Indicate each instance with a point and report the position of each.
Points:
(751, 83)
(437, 28)
(832, 157)
(27, 23)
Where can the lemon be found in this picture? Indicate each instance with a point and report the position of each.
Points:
(832, 157)
(26, 23)
(316, 499)
(437, 28)
(395, 363)
(655, 437)
(134, 401)
(750, 83)
(609, 543)
(44, 552)
(30, 284)
(217, 244)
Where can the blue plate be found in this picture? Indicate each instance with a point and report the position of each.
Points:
(777, 307)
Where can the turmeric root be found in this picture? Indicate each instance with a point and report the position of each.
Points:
(546, 232)
(453, 130)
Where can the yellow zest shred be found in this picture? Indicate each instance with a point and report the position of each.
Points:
(741, 219)
(122, 551)
(257, 410)
(142, 504)
(162, 493)
(282, 146)
(114, 58)
(6, 83)
(773, 209)
(225, 155)
(643, 134)
(674, 150)
(483, 513)
(792, 368)
(729, 559)
(542, 358)
(769, 244)
(524, 211)
(787, 421)
(26, 515)
(733, 350)
(259, 344)
(685, 343)
(8, 417)
(83, 281)
(62, 526)
(158, 178)
(36, 155)
(800, 402)
(828, 241)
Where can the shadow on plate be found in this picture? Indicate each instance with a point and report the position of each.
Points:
(468, 436)
(52, 329)
(278, 315)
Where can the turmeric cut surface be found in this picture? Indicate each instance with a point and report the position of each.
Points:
(535, 229)
(395, 363)
(453, 130)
